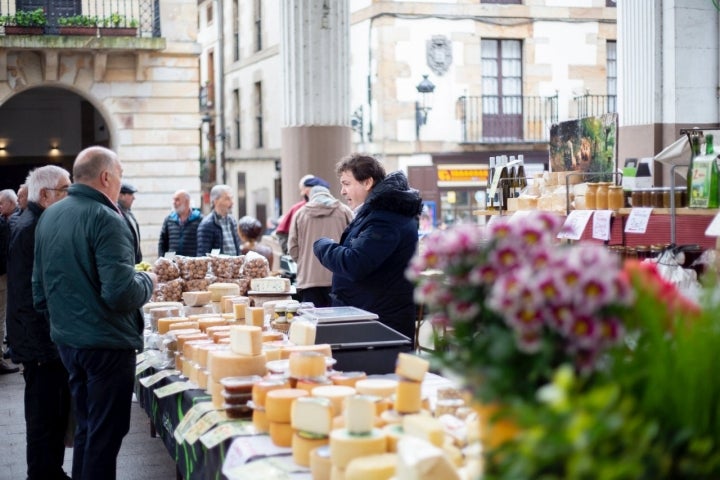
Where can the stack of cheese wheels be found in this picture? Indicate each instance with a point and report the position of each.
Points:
(201, 359)
(259, 394)
(311, 420)
(421, 460)
(411, 370)
(278, 406)
(236, 393)
(359, 438)
(228, 363)
(337, 394)
(381, 389)
(320, 464)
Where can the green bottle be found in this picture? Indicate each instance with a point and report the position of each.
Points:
(694, 152)
(714, 191)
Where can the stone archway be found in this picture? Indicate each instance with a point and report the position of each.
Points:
(46, 125)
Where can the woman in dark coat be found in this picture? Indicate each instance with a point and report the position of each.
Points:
(369, 263)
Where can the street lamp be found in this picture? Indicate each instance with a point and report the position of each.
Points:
(425, 88)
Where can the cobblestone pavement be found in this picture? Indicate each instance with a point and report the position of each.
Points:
(141, 456)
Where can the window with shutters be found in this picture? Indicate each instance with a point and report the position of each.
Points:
(502, 101)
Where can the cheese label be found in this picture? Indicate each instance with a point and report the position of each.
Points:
(224, 431)
(140, 357)
(203, 425)
(192, 416)
(156, 377)
(173, 388)
(141, 367)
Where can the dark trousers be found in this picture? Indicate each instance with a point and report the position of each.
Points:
(47, 403)
(319, 296)
(101, 382)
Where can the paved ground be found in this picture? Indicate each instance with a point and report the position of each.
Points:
(141, 457)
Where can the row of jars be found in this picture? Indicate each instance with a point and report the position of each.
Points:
(607, 196)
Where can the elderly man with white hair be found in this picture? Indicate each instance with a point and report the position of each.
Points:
(8, 206)
(218, 230)
(179, 229)
(47, 394)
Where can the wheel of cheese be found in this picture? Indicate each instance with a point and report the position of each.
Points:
(224, 363)
(182, 325)
(320, 464)
(306, 364)
(408, 396)
(259, 420)
(280, 433)
(201, 355)
(261, 388)
(255, 316)
(312, 415)
(189, 348)
(372, 467)
(359, 414)
(309, 384)
(347, 379)
(278, 403)
(337, 473)
(379, 387)
(205, 323)
(302, 446)
(246, 339)
(163, 324)
(344, 446)
(336, 394)
(217, 290)
(181, 339)
(411, 367)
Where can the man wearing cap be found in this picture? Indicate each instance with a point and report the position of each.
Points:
(125, 201)
(283, 229)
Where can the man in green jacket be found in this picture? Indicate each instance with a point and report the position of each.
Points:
(84, 276)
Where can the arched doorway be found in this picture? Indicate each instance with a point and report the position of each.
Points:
(46, 125)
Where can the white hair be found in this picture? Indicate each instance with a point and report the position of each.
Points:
(9, 194)
(44, 177)
(218, 190)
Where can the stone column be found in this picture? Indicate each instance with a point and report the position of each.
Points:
(667, 72)
(316, 88)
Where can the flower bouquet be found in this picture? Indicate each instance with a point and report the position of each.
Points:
(518, 303)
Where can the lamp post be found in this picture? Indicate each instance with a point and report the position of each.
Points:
(425, 88)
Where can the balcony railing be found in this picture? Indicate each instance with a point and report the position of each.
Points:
(508, 119)
(593, 105)
(143, 13)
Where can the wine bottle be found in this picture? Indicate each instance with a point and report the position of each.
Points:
(694, 152)
(714, 191)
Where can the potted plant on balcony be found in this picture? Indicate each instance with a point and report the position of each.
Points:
(24, 22)
(117, 25)
(78, 25)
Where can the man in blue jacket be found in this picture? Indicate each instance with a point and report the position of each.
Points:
(218, 230)
(179, 230)
(84, 276)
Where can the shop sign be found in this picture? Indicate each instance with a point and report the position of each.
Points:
(462, 175)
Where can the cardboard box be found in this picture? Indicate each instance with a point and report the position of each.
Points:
(367, 346)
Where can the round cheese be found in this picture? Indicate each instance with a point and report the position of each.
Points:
(320, 464)
(201, 355)
(393, 433)
(261, 388)
(281, 434)
(259, 420)
(344, 446)
(302, 446)
(224, 363)
(181, 339)
(217, 290)
(190, 348)
(372, 467)
(347, 379)
(312, 416)
(278, 403)
(379, 387)
(408, 397)
(336, 394)
(163, 324)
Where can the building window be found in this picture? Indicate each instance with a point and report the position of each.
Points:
(258, 25)
(611, 3)
(236, 118)
(209, 13)
(241, 194)
(502, 88)
(236, 30)
(611, 76)
(258, 115)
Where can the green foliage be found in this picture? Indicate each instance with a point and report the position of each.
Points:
(78, 21)
(116, 20)
(26, 18)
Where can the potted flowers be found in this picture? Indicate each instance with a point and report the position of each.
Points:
(117, 25)
(78, 25)
(26, 22)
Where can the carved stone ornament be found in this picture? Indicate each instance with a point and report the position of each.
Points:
(439, 54)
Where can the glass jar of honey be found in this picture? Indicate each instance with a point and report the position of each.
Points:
(601, 201)
(591, 196)
(636, 198)
(616, 197)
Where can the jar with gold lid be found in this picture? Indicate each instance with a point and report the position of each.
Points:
(601, 202)
(616, 197)
(591, 196)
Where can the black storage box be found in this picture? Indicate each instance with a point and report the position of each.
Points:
(363, 345)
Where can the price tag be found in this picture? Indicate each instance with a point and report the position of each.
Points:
(222, 432)
(638, 219)
(713, 230)
(156, 377)
(171, 389)
(192, 416)
(169, 255)
(575, 224)
(203, 425)
(601, 224)
(141, 367)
